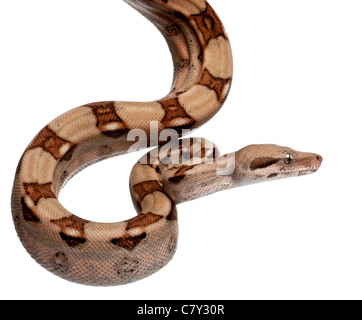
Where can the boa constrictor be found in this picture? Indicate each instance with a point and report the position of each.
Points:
(117, 253)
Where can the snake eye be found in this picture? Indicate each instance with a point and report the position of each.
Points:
(288, 158)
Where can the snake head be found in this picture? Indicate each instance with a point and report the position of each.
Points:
(268, 162)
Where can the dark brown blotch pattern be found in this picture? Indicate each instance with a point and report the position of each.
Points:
(28, 213)
(176, 116)
(71, 240)
(106, 115)
(50, 142)
(37, 191)
(68, 224)
(147, 187)
(213, 83)
(209, 24)
(129, 242)
(143, 220)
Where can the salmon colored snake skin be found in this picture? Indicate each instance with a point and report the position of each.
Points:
(106, 254)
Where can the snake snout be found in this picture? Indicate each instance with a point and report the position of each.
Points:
(317, 161)
(307, 164)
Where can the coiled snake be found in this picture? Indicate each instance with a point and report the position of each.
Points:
(178, 170)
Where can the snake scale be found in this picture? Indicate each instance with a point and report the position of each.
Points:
(106, 254)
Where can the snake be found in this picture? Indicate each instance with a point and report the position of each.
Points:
(175, 171)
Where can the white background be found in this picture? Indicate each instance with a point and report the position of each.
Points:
(297, 82)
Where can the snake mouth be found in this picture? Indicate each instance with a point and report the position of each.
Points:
(306, 172)
(292, 173)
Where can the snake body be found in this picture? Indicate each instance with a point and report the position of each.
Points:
(107, 254)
